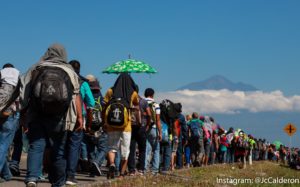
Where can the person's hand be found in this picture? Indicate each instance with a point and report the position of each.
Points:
(25, 130)
(160, 137)
(79, 125)
(184, 143)
(147, 128)
(176, 139)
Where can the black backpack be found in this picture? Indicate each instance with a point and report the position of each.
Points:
(52, 91)
(116, 113)
(96, 114)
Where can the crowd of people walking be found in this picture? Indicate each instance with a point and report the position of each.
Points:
(72, 127)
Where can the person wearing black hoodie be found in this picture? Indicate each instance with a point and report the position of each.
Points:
(123, 96)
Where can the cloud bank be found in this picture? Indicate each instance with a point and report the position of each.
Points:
(231, 102)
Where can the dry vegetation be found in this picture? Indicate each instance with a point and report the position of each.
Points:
(207, 176)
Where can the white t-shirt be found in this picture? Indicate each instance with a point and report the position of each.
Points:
(156, 106)
(10, 76)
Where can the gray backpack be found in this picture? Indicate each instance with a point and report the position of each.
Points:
(52, 91)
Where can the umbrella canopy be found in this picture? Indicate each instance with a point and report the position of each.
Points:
(130, 66)
(277, 144)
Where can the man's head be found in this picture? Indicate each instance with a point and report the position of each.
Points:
(55, 53)
(76, 65)
(195, 115)
(149, 92)
(93, 83)
(188, 117)
(8, 65)
(241, 133)
(90, 78)
(178, 107)
(211, 119)
(201, 118)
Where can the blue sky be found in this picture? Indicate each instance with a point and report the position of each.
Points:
(252, 41)
(256, 42)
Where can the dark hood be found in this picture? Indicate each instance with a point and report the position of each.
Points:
(124, 87)
(55, 53)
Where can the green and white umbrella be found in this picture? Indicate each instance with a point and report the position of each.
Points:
(277, 144)
(129, 66)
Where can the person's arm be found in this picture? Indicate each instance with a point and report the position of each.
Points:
(135, 98)
(23, 118)
(189, 131)
(158, 124)
(88, 98)
(174, 131)
(148, 117)
(106, 99)
(89, 116)
(217, 142)
(79, 122)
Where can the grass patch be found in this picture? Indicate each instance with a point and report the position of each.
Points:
(207, 176)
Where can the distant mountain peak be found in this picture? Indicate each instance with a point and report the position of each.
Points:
(218, 82)
(220, 77)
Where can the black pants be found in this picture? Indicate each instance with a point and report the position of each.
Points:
(138, 136)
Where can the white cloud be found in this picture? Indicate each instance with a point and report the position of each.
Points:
(225, 101)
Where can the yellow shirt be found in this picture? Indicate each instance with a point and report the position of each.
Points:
(133, 102)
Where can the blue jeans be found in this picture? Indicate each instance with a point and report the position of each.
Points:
(73, 151)
(152, 145)
(223, 156)
(40, 131)
(187, 152)
(166, 149)
(7, 132)
(84, 150)
(18, 146)
(230, 155)
(118, 162)
(99, 151)
(179, 161)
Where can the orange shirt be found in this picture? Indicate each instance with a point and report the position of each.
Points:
(177, 126)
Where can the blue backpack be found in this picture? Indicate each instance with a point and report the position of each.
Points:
(196, 130)
(165, 132)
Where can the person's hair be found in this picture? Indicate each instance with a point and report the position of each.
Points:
(188, 117)
(76, 65)
(195, 115)
(8, 65)
(202, 118)
(149, 92)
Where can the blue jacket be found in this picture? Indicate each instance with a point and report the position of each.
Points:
(87, 97)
